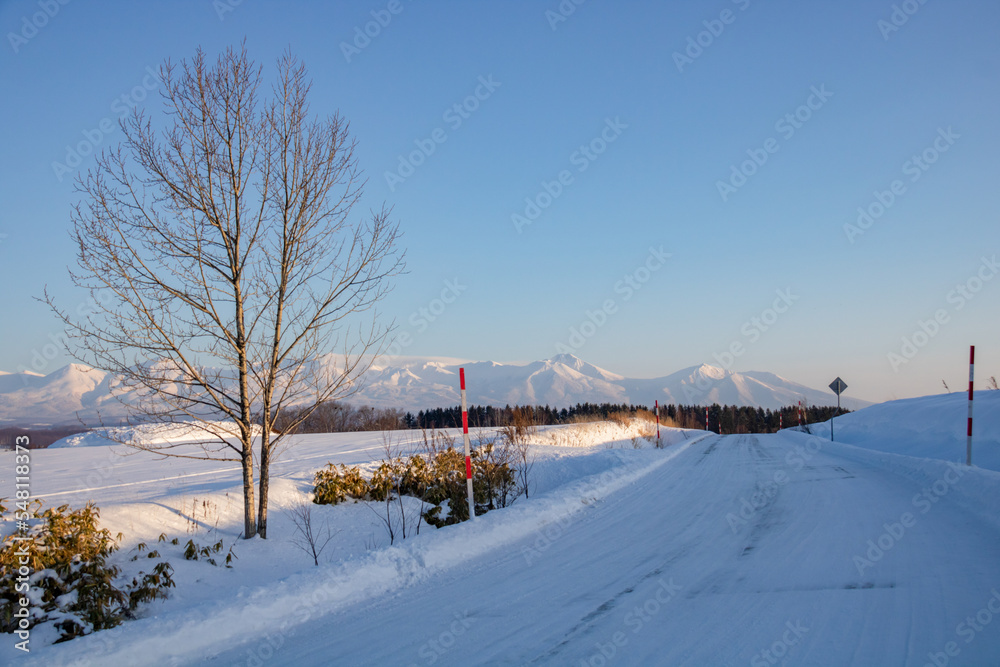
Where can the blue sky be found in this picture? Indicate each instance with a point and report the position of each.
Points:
(819, 105)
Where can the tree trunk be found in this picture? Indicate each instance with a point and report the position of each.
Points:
(249, 524)
(265, 466)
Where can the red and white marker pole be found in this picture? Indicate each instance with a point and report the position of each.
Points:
(800, 414)
(968, 440)
(468, 453)
(657, 423)
(706, 419)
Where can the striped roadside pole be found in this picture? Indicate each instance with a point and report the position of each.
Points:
(706, 419)
(657, 423)
(968, 437)
(468, 453)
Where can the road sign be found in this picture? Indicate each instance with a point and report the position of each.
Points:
(838, 386)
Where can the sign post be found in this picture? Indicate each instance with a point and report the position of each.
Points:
(838, 386)
(468, 454)
(968, 436)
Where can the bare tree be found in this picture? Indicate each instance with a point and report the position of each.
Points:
(517, 434)
(308, 539)
(524, 461)
(497, 464)
(235, 268)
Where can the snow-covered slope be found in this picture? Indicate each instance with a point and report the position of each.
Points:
(931, 427)
(154, 434)
(418, 383)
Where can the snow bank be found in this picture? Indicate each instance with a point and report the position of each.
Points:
(152, 434)
(972, 488)
(929, 427)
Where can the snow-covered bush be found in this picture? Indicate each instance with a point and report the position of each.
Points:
(493, 484)
(438, 479)
(386, 478)
(72, 584)
(332, 486)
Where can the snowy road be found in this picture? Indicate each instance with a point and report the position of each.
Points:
(741, 550)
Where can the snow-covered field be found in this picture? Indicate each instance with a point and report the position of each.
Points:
(753, 549)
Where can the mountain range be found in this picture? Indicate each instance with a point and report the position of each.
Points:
(76, 392)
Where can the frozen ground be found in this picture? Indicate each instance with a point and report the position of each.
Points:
(760, 550)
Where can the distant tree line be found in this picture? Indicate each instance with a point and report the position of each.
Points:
(336, 417)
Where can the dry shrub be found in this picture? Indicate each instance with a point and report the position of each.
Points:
(584, 419)
(71, 580)
(623, 419)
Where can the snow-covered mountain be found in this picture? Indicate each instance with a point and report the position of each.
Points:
(57, 398)
(417, 383)
(705, 385)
